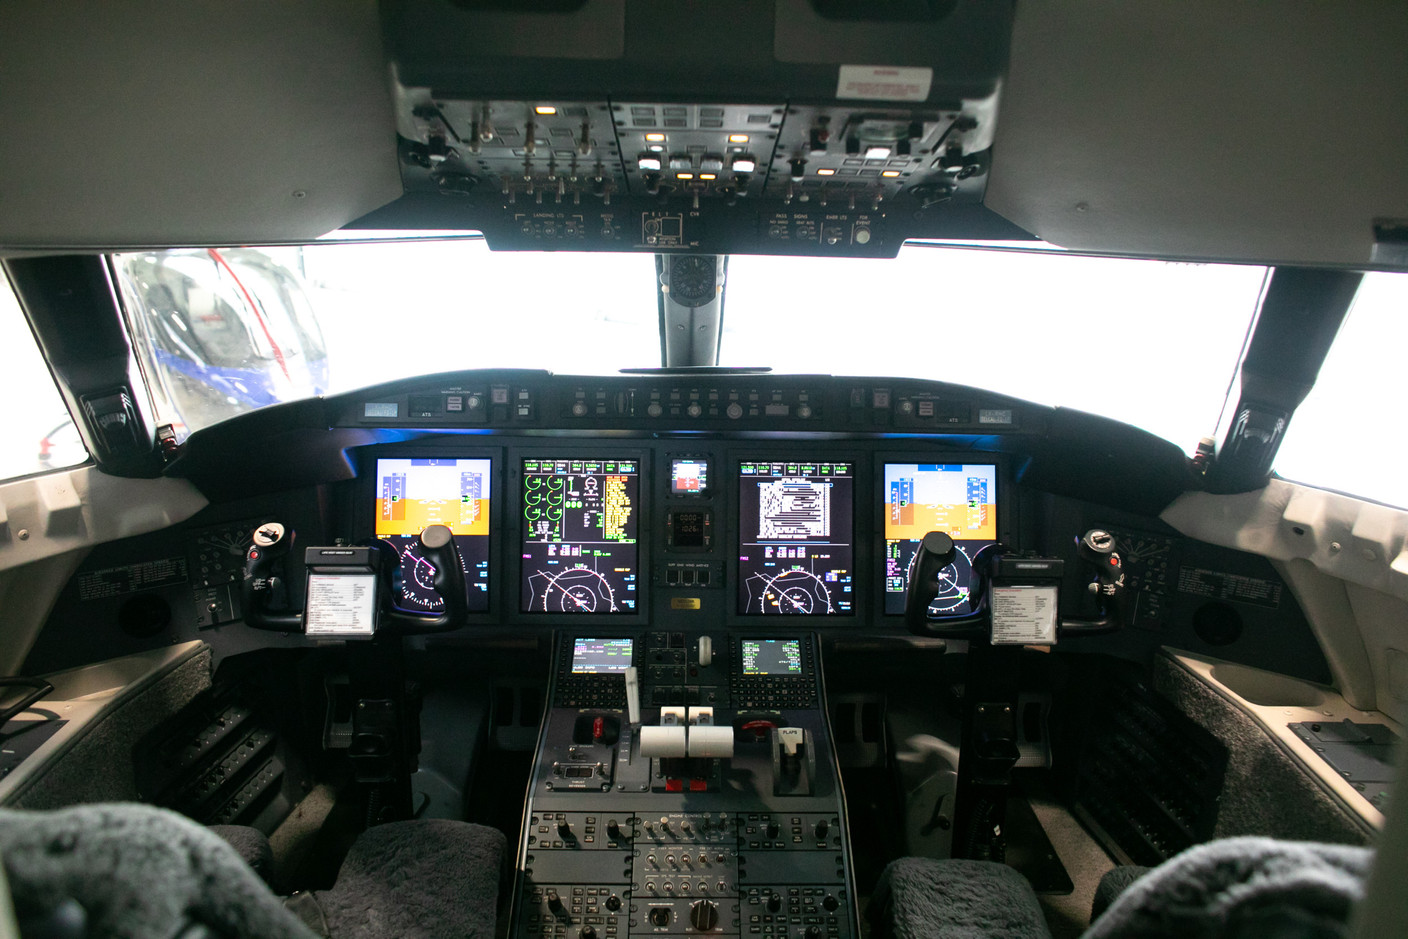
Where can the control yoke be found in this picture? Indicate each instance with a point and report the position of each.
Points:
(438, 548)
(996, 564)
(265, 596)
(263, 587)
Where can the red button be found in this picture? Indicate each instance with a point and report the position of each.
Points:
(674, 785)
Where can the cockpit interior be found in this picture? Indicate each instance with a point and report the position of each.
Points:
(757, 469)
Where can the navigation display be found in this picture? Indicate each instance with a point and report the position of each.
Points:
(959, 499)
(771, 656)
(600, 656)
(580, 523)
(412, 494)
(795, 538)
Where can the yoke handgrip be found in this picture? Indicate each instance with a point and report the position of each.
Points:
(1097, 548)
(935, 552)
(272, 542)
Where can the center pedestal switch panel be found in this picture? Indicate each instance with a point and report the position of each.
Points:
(717, 811)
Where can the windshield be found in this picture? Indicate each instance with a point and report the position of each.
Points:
(1150, 343)
(1154, 344)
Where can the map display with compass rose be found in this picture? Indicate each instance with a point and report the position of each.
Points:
(959, 499)
(795, 547)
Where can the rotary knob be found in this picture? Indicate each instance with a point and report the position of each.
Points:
(822, 828)
(704, 915)
(660, 916)
(579, 409)
(654, 409)
(694, 409)
(588, 932)
(564, 830)
(774, 830)
(613, 903)
(734, 410)
(774, 903)
(613, 829)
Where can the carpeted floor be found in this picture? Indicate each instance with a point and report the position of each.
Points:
(1085, 862)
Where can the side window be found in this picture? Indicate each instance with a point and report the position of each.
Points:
(39, 433)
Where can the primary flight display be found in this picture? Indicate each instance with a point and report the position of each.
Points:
(959, 499)
(412, 494)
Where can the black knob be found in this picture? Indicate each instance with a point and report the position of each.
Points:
(704, 915)
(774, 903)
(830, 903)
(588, 932)
(613, 903)
(774, 830)
(564, 828)
(813, 932)
(554, 901)
(660, 916)
(613, 829)
(822, 828)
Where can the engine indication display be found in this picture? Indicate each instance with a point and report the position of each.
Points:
(413, 494)
(959, 499)
(795, 549)
(580, 523)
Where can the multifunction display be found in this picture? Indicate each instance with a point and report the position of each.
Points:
(412, 494)
(580, 523)
(600, 656)
(770, 656)
(795, 546)
(959, 499)
(689, 476)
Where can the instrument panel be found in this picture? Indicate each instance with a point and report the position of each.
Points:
(724, 532)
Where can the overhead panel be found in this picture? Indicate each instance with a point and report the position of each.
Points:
(789, 128)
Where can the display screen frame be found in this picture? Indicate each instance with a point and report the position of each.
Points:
(845, 594)
(484, 587)
(516, 460)
(1006, 523)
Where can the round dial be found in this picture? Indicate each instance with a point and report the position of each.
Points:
(692, 280)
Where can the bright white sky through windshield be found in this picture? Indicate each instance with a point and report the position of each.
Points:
(1151, 343)
(1348, 433)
